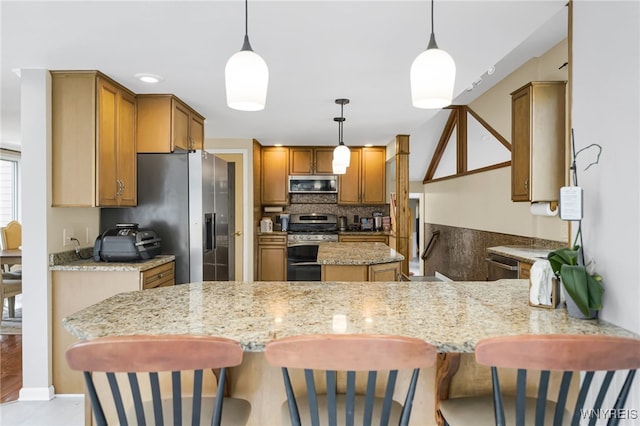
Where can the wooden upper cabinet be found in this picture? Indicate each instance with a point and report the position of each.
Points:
(349, 191)
(93, 141)
(538, 140)
(374, 167)
(166, 124)
(365, 179)
(274, 175)
(310, 161)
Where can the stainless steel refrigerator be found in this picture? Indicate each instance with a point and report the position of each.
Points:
(187, 199)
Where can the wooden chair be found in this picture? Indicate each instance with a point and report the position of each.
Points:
(9, 289)
(153, 355)
(11, 239)
(11, 236)
(338, 354)
(597, 358)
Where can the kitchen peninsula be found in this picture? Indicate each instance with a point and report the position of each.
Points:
(454, 316)
(359, 262)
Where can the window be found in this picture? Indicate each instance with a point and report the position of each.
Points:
(9, 186)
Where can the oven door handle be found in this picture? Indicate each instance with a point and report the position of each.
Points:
(502, 265)
(304, 264)
(303, 244)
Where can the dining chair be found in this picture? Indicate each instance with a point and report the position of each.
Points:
(321, 362)
(142, 395)
(9, 289)
(591, 360)
(11, 236)
(11, 239)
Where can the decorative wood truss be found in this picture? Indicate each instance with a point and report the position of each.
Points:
(458, 122)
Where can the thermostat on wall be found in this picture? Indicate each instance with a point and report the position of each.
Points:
(571, 203)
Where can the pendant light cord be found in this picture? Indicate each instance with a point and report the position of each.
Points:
(246, 45)
(246, 18)
(432, 39)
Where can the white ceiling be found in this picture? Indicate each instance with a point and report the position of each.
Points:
(316, 51)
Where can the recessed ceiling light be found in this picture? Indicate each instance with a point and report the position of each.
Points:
(149, 78)
(491, 70)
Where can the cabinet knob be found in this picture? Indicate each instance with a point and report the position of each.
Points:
(526, 184)
(161, 275)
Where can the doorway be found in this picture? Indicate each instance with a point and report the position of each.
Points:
(416, 266)
(236, 237)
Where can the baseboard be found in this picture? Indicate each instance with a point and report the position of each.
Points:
(36, 394)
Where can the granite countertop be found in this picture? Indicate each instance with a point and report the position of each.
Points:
(527, 254)
(452, 315)
(91, 265)
(356, 254)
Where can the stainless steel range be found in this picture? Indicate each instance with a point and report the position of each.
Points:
(306, 232)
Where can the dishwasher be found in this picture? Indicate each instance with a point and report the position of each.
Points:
(501, 267)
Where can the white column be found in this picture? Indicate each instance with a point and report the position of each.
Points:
(35, 125)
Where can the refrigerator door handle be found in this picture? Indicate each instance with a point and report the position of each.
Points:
(214, 236)
(208, 231)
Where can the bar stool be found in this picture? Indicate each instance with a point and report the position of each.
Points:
(328, 357)
(597, 358)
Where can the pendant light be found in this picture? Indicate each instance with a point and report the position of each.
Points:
(246, 75)
(341, 154)
(433, 74)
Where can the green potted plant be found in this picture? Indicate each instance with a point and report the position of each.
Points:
(583, 288)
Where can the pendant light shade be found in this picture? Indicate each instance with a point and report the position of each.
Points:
(246, 77)
(338, 169)
(341, 153)
(433, 75)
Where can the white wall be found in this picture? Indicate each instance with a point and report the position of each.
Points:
(467, 202)
(606, 111)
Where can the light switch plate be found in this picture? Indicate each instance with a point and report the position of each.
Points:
(571, 203)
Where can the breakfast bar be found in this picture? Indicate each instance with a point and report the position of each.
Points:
(454, 316)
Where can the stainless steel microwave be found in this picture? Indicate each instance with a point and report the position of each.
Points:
(310, 184)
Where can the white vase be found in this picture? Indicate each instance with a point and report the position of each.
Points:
(573, 310)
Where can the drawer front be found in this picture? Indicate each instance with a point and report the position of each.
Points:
(272, 239)
(160, 276)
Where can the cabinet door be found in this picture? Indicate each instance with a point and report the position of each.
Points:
(180, 121)
(272, 263)
(275, 173)
(349, 183)
(385, 272)
(196, 131)
(301, 161)
(324, 160)
(373, 175)
(107, 185)
(126, 150)
(521, 145)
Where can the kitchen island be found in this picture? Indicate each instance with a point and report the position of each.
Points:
(454, 316)
(359, 262)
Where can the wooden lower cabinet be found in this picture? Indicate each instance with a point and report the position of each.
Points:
(351, 273)
(272, 257)
(75, 290)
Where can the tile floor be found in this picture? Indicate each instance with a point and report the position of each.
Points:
(60, 411)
